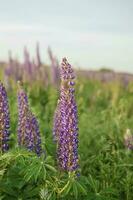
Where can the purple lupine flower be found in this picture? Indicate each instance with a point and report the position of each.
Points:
(66, 124)
(33, 140)
(4, 119)
(23, 109)
(8, 71)
(38, 55)
(54, 67)
(128, 139)
(9, 68)
(27, 62)
(12, 70)
(28, 128)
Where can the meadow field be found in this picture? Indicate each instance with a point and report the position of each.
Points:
(105, 115)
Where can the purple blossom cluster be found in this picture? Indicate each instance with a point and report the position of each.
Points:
(32, 68)
(54, 68)
(4, 119)
(28, 128)
(65, 129)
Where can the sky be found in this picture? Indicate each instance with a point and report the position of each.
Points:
(90, 33)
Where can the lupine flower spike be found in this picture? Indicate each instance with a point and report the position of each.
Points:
(65, 129)
(39, 63)
(54, 68)
(4, 119)
(28, 128)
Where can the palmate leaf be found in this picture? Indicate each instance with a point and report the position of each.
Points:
(93, 184)
(36, 169)
(6, 159)
(33, 170)
(30, 192)
(14, 186)
(43, 193)
(9, 158)
(7, 189)
(51, 168)
(101, 193)
(74, 187)
(46, 194)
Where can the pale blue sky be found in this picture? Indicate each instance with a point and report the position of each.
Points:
(90, 33)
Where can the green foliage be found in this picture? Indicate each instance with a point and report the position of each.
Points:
(106, 166)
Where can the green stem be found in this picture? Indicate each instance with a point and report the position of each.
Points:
(64, 187)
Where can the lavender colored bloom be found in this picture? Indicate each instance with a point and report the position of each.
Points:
(33, 140)
(27, 62)
(4, 119)
(13, 69)
(39, 63)
(28, 128)
(54, 67)
(8, 69)
(66, 122)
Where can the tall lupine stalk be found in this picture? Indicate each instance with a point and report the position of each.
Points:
(41, 70)
(38, 57)
(13, 70)
(54, 68)
(4, 119)
(27, 64)
(35, 71)
(28, 128)
(17, 70)
(9, 68)
(65, 121)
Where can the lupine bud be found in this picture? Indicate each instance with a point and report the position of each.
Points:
(66, 122)
(128, 139)
(28, 128)
(4, 119)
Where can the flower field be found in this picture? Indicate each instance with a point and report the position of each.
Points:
(63, 136)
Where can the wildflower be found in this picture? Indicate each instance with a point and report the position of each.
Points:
(66, 122)
(39, 63)
(28, 128)
(54, 68)
(33, 140)
(27, 64)
(4, 119)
